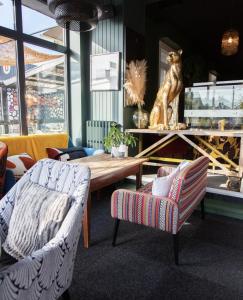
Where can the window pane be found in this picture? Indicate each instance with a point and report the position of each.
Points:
(45, 89)
(41, 26)
(9, 106)
(6, 13)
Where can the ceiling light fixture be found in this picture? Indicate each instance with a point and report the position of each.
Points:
(79, 15)
(230, 39)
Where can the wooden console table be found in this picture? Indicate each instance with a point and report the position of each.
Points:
(106, 170)
(229, 168)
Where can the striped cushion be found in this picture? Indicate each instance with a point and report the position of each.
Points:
(141, 208)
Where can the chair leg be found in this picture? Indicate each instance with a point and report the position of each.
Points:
(202, 210)
(66, 295)
(116, 226)
(176, 247)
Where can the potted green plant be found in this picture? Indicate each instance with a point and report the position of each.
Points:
(127, 140)
(117, 142)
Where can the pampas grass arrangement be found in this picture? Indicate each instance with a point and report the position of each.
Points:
(135, 83)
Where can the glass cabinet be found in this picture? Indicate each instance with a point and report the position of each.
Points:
(207, 103)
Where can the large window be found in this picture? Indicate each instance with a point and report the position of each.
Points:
(7, 14)
(9, 106)
(32, 71)
(45, 89)
(45, 28)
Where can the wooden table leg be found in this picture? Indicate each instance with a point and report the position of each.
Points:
(139, 177)
(86, 223)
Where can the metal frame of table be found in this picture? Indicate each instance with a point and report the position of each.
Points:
(229, 168)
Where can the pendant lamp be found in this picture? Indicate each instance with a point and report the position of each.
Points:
(230, 42)
(79, 15)
(230, 38)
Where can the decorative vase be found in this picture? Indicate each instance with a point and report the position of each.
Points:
(140, 118)
(123, 150)
(114, 151)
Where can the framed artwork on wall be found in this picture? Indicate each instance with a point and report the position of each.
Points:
(105, 72)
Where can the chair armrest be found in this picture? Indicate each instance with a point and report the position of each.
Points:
(146, 209)
(165, 170)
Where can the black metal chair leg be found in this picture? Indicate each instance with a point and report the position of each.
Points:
(66, 295)
(202, 210)
(176, 247)
(116, 226)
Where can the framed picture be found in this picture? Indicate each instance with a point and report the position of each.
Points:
(104, 72)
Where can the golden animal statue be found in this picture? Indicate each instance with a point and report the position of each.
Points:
(166, 105)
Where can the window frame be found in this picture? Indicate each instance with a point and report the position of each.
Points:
(20, 38)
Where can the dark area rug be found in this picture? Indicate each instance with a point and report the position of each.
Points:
(141, 266)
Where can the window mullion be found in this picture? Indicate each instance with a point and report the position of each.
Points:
(42, 43)
(68, 84)
(20, 68)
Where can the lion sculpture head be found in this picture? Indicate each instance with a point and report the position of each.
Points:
(174, 57)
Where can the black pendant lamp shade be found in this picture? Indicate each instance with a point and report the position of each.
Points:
(79, 15)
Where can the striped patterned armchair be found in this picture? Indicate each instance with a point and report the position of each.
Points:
(165, 213)
(47, 273)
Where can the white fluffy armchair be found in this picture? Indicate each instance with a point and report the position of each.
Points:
(47, 273)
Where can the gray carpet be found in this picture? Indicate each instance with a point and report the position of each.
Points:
(141, 266)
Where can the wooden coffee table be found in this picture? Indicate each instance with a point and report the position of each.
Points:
(106, 170)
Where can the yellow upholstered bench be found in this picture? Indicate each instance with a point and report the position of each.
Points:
(35, 145)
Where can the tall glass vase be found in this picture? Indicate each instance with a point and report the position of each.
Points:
(140, 117)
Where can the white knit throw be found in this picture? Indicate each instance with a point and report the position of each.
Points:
(37, 216)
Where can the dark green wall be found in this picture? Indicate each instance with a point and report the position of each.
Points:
(134, 15)
(111, 36)
(156, 30)
(108, 37)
